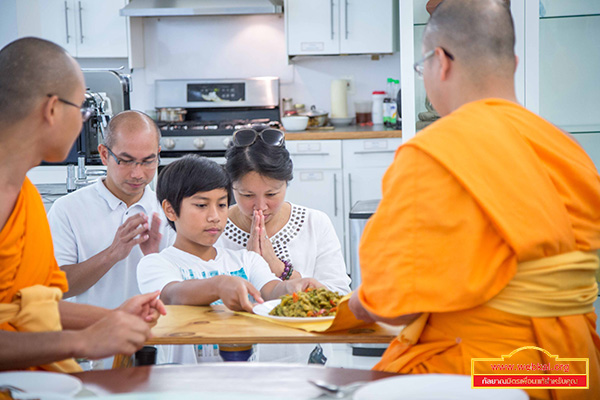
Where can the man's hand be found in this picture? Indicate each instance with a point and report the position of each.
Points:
(358, 310)
(133, 231)
(117, 333)
(150, 245)
(234, 292)
(146, 306)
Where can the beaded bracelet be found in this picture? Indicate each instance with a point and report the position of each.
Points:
(287, 270)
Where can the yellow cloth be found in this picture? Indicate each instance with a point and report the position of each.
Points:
(26, 251)
(465, 203)
(35, 309)
(344, 319)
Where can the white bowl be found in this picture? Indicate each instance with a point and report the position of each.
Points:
(341, 121)
(295, 123)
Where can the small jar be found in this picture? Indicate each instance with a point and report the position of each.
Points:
(377, 111)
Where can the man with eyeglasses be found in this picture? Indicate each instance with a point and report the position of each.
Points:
(100, 257)
(485, 240)
(40, 87)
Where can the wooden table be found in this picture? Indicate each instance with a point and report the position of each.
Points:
(219, 325)
(284, 381)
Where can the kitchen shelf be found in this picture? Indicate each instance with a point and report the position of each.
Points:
(346, 132)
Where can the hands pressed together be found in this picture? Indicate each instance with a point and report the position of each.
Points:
(137, 230)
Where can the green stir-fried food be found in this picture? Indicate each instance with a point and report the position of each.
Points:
(310, 303)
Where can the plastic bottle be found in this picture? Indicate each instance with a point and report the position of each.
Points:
(377, 110)
(399, 107)
(387, 110)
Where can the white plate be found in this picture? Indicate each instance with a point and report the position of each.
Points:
(188, 396)
(266, 307)
(42, 382)
(433, 387)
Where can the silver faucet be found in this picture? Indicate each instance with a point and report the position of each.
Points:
(83, 177)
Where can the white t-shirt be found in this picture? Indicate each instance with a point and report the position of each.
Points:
(308, 240)
(155, 271)
(85, 222)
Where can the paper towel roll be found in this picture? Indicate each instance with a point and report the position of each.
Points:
(339, 103)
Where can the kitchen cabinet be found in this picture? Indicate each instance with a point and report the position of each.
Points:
(318, 27)
(317, 179)
(332, 175)
(364, 164)
(85, 28)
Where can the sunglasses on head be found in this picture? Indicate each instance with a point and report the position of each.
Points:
(247, 137)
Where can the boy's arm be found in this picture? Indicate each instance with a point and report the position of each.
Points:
(232, 290)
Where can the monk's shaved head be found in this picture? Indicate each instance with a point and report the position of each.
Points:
(479, 33)
(127, 121)
(30, 69)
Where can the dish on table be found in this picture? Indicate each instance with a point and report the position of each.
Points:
(265, 308)
(42, 383)
(433, 387)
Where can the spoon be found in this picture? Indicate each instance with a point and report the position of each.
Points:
(336, 390)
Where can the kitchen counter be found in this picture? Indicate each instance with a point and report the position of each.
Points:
(345, 132)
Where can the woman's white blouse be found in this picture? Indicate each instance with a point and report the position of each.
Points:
(308, 241)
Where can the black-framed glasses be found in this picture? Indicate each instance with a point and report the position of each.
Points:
(86, 112)
(133, 163)
(247, 137)
(419, 65)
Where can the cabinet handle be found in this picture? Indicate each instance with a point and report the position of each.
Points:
(335, 205)
(67, 21)
(375, 152)
(346, 17)
(309, 154)
(331, 15)
(350, 189)
(80, 24)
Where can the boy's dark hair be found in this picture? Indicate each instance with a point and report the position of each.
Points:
(270, 161)
(186, 177)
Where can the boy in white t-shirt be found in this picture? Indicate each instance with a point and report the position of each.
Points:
(194, 193)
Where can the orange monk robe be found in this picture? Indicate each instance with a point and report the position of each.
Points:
(26, 252)
(480, 191)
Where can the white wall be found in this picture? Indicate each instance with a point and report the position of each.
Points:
(221, 47)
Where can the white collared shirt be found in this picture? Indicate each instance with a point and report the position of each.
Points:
(85, 222)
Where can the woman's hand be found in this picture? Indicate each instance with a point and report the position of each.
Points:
(266, 247)
(255, 233)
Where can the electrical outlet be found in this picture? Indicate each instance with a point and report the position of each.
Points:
(350, 84)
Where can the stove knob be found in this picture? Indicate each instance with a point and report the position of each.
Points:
(199, 143)
(226, 141)
(169, 144)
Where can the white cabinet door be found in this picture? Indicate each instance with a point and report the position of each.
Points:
(317, 179)
(367, 26)
(312, 26)
(102, 32)
(85, 28)
(57, 23)
(320, 189)
(365, 162)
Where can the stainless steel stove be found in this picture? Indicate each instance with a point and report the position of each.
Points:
(213, 110)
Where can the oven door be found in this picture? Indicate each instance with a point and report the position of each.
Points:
(167, 158)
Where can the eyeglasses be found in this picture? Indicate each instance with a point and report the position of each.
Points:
(133, 163)
(247, 137)
(418, 66)
(86, 112)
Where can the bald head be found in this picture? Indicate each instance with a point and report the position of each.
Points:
(30, 69)
(128, 121)
(479, 33)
